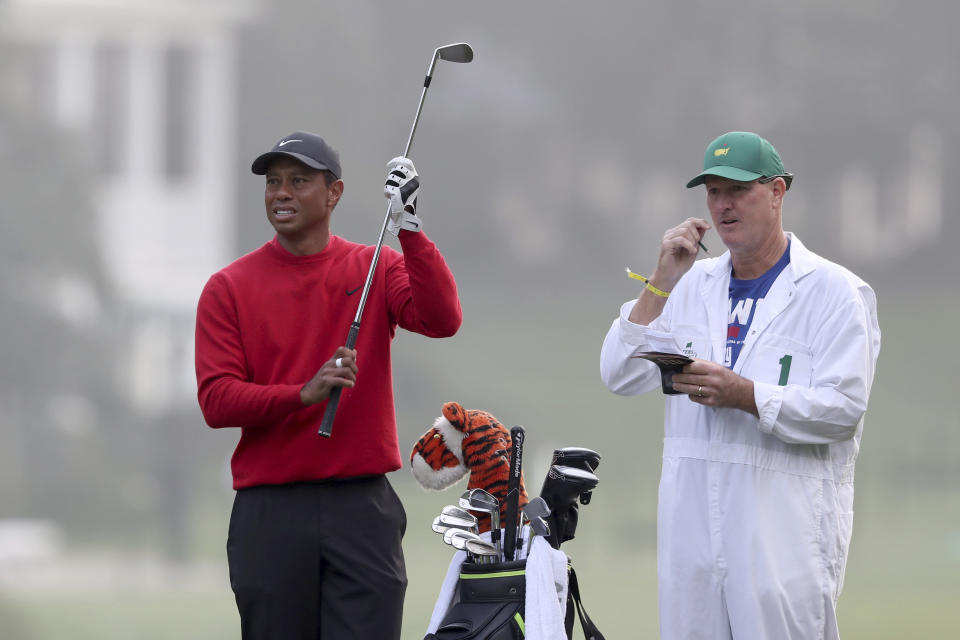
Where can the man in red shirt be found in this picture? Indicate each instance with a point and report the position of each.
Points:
(314, 545)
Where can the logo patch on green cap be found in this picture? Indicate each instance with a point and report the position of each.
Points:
(740, 156)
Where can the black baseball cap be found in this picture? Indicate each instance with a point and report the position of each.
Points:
(308, 148)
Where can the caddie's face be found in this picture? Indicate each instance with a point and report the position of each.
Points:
(298, 201)
(746, 215)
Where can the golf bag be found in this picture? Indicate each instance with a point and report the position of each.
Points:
(491, 605)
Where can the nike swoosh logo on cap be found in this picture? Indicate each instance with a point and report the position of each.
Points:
(288, 142)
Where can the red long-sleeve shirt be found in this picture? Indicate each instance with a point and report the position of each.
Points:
(268, 321)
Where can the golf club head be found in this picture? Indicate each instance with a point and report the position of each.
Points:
(479, 547)
(457, 512)
(457, 538)
(540, 527)
(484, 507)
(443, 522)
(536, 508)
(456, 52)
(564, 484)
(581, 458)
(578, 457)
(450, 534)
(479, 500)
(561, 488)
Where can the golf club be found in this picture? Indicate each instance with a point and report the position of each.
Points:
(470, 542)
(484, 502)
(451, 510)
(480, 547)
(563, 485)
(537, 507)
(561, 488)
(442, 523)
(513, 492)
(578, 457)
(451, 534)
(457, 52)
(452, 538)
(539, 527)
(534, 513)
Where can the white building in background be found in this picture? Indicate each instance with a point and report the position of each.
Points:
(151, 85)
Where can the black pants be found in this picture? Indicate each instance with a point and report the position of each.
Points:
(318, 561)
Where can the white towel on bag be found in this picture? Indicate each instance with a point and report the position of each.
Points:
(448, 591)
(547, 582)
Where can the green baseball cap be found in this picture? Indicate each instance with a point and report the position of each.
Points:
(741, 156)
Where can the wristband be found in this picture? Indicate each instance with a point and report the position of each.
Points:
(659, 292)
(646, 281)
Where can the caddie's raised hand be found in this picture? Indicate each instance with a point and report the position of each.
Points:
(401, 189)
(678, 251)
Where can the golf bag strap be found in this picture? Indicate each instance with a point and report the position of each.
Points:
(590, 631)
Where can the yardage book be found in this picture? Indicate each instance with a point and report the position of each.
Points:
(669, 364)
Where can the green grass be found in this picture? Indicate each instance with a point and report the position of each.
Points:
(123, 614)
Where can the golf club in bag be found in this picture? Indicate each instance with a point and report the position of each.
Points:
(457, 52)
(570, 476)
(513, 492)
(491, 597)
(578, 457)
(561, 489)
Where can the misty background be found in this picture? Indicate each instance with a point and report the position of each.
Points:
(551, 162)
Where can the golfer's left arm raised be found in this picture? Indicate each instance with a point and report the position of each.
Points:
(421, 290)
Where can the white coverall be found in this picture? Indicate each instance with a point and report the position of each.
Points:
(755, 515)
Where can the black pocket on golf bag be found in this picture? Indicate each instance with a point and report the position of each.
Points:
(491, 605)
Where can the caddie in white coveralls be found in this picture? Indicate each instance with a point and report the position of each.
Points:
(756, 490)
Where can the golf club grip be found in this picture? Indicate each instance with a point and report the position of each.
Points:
(326, 425)
(513, 492)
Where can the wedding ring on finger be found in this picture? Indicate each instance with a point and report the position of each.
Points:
(339, 363)
(700, 391)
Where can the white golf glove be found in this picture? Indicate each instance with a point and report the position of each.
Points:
(401, 189)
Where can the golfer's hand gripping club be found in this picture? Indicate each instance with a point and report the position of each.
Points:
(401, 189)
(326, 426)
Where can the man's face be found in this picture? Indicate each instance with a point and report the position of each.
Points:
(298, 201)
(746, 215)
